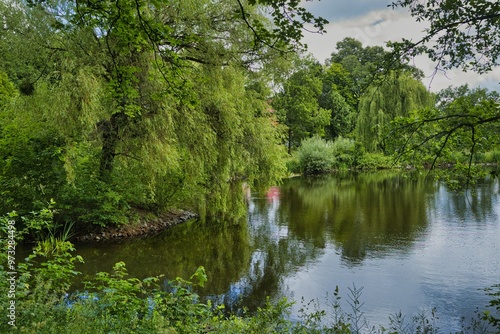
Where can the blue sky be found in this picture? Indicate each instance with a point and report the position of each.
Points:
(374, 23)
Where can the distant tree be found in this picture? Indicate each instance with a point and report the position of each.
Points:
(297, 105)
(396, 96)
(463, 121)
(342, 115)
(363, 64)
(351, 70)
(366, 65)
(338, 78)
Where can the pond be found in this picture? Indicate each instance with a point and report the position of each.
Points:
(411, 244)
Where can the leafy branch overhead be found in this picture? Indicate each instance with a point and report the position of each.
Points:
(464, 121)
(461, 33)
(290, 21)
(140, 104)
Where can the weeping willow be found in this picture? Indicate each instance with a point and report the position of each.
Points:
(396, 96)
(151, 107)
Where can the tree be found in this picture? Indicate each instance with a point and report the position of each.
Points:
(149, 99)
(395, 97)
(351, 70)
(461, 34)
(338, 78)
(297, 104)
(365, 65)
(338, 96)
(362, 63)
(342, 116)
(289, 19)
(463, 122)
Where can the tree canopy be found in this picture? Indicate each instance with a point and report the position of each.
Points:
(140, 104)
(297, 105)
(461, 33)
(396, 96)
(464, 121)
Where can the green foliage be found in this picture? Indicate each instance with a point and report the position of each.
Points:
(397, 96)
(289, 18)
(292, 165)
(346, 153)
(338, 78)
(489, 157)
(148, 105)
(461, 34)
(31, 171)
(363, 65)
(297, 105)
(370, 161)
(463, 124)
(7, 90)
(342, 118)
(315, 155)
(493, 317)
(93, 202)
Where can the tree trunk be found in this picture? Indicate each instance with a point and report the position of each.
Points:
(110, 136)
(289, 141)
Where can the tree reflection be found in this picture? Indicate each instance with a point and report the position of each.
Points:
(359, 213)
(473, 204)
(360, 216)
(223, 249)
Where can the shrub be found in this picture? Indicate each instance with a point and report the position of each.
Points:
(31, 171)
(315, 156)
(490, 157)
(375, 161)
(292, 165)
(346, 152)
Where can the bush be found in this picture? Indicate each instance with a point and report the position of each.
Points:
(292, 165)
(315, 155)
(490, 157)
(346, 152)
(32, 169)
(375, 161)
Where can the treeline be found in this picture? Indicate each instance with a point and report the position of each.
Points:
(363, 109)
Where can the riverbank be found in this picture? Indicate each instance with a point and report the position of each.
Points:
(146, 225)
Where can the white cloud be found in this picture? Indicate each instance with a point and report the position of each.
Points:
(378, 27)
(343, 9)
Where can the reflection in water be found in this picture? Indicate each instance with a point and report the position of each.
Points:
(412, 244)
(223, 249)
(360, 213)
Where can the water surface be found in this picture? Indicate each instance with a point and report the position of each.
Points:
(412, 245)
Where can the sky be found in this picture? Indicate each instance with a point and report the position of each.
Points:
(373, 23)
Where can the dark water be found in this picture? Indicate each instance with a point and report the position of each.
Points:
(412, 245)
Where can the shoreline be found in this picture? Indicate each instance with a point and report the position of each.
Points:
(142, 228)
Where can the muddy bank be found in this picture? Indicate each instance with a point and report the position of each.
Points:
(145, 226)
